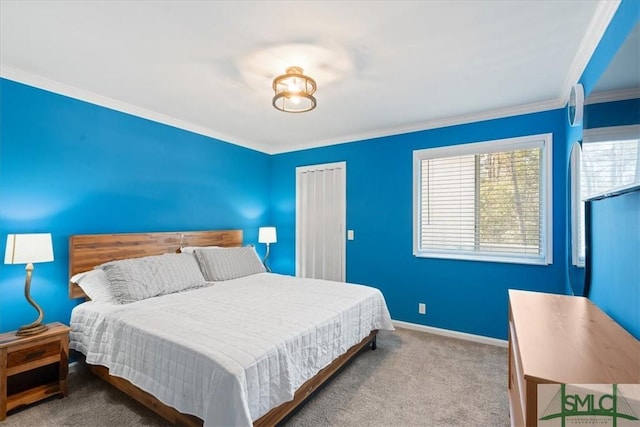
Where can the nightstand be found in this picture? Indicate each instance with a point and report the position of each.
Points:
(33, 368)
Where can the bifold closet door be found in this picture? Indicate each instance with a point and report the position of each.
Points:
(320, 221)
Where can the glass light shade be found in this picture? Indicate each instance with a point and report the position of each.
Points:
(267, 235)
(294, 92)
(28, 248)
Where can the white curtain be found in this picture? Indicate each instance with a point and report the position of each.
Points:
(320, 222)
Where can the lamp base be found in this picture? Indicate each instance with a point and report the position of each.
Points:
(31, 330)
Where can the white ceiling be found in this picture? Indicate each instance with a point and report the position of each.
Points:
(382, 67)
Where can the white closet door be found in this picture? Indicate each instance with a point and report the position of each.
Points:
(320, 221)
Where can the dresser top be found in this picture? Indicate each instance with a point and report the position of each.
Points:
(568, 339)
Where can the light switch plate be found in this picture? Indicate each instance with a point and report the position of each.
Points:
(350, 235)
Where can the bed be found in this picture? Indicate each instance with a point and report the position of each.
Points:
(241, 349)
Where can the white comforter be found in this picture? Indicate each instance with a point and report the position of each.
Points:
(230, 352)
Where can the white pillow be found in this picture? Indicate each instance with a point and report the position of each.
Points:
(228, 263)
(136, 279)
(95, 284)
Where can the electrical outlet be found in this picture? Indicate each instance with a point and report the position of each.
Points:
(422, 308)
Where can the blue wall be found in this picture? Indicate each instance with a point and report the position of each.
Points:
(623, 22)
(615, 250)
(465, 296)
(461, 295)
(599, 115)
(615, 283)
(618, 113)
(614, 289)
(69, 167)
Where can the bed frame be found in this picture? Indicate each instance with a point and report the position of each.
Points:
(89, 250)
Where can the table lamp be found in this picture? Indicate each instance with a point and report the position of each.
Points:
(29, 249)
(267, 235)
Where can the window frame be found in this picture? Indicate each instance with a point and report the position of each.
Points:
(594, 135)
(483, 147)
(577, 220)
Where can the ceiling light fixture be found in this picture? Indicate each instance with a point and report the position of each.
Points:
(294, 91)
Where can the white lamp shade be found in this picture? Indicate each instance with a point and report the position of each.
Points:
(28, 248)
(267, 235)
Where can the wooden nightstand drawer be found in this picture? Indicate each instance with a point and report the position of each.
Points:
(34, 354)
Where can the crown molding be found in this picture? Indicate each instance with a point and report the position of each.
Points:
(498, 113)
(604, 12)
(39, 82)
(613, 95)
(598, 25)
(93, 98)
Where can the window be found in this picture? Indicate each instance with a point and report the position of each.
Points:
(609, 159)
(486, 201)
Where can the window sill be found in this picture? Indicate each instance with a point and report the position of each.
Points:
(483, 258)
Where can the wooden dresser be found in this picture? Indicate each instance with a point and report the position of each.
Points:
(557, 339)
(33, 367)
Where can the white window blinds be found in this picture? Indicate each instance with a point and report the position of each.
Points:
(608, 165)
(483, 201)
(609, 159)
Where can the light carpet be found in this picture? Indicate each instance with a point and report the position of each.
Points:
(412, 379)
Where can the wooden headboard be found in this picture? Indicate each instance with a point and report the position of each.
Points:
(89, 250)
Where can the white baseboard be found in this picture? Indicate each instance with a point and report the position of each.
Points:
(452, 334)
